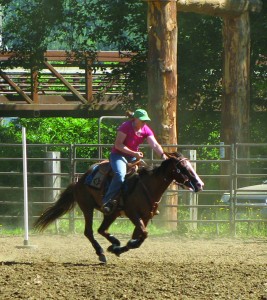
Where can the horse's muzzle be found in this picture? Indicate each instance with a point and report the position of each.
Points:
(194, 187)
(199, 187)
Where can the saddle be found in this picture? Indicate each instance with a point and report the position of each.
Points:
(100, 173)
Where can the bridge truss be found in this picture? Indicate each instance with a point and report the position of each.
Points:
(66, 86)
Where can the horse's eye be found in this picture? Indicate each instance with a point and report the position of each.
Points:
(177, 169)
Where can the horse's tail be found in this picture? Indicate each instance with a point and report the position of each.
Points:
(64, 204)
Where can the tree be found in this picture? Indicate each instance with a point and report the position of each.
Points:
(28, 27)
(95, 24)
(200, 73)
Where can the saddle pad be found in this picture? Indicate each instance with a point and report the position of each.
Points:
(97, 177)
(89, 178)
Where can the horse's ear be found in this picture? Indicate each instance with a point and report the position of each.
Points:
(169, 155)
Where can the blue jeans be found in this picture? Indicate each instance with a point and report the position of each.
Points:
(119, 166)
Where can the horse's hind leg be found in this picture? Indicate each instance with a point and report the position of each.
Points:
(88, 232)
(87, 204)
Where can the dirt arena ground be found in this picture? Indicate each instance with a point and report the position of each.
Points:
(171, 267)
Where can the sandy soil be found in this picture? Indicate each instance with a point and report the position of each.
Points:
(66, 267)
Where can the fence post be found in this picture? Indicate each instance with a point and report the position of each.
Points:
(192, 197)
(72, 179)
(233, 186)
(52, 177)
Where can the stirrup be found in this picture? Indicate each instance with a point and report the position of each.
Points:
(109, 207)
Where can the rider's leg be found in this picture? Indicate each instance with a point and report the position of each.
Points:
(119, 167)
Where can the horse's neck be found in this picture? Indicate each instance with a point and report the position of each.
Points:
(156, 185)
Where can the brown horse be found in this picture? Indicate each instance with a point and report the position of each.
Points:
(140, 200)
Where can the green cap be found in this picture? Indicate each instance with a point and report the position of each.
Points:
(141, 114)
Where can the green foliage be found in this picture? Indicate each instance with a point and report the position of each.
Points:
(199, 62)
(53, 130)
(31, 27)
(60, 131)
(27, 28)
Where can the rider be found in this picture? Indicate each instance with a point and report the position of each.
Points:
(130, 135)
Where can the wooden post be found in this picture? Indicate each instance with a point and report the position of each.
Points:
(236, 85)
(219, 7)
(162, 69)
(168, 208)
(88, 81)
(1, 24)
(34, 85)
(162, 84)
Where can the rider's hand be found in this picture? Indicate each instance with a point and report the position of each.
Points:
(164, 156)
(139, 155)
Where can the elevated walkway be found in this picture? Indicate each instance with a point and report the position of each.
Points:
(66, 86)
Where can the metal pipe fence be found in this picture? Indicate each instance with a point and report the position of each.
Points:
(239, 165)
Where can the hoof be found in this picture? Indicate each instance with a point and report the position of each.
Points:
(102, 258)
(115, 250)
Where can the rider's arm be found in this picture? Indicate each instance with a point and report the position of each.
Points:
(121, 147)
(153, 143)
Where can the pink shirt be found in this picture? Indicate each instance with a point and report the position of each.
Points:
(132, 140)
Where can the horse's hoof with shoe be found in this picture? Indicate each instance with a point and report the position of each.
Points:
(117, 250)
(102, 258)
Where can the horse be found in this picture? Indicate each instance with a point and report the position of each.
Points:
(139, 201)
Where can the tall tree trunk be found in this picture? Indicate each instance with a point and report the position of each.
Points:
(236, 83)
(162, 69)
(162, 82)
(236, 87)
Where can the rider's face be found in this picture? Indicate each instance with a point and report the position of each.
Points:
(139, 123)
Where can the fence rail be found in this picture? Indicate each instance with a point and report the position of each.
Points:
(48, 175)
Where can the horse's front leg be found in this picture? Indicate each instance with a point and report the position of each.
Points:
(139, 235)
(103, 229)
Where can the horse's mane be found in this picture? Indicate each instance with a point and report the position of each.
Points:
(149, 170)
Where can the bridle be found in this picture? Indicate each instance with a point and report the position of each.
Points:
(178, 171)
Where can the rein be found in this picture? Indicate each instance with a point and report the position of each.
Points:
(149, 198)
(153, 204)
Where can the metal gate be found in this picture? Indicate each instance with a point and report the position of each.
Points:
(51, 167)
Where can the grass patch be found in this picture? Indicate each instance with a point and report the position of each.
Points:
(213, 222)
